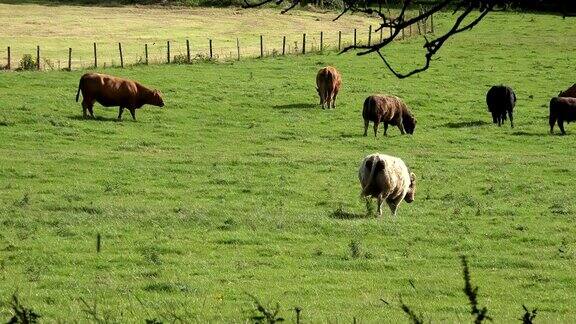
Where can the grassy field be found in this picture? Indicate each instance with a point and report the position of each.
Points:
(241, 184)
(57, 28)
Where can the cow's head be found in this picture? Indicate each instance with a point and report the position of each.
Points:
(409, 123)
(412, 189)
(157, 99)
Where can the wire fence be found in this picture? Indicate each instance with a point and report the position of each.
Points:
(183, 51)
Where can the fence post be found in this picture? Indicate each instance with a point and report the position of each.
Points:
(8, 65)
(168, 51)
(369, 35)
(210, 48)
(95, 56)
(432, 22)
(146, 53)
(354, 36)
(238, 47)
(339, 40)
(121, 56)
(403, 33)
(70, 59)
(410, 30)
(261, 46)
(381, 32)
(283, 45)
(391, 30)
(38, 57)
(303, 43)
(188, 50)
(321, 41)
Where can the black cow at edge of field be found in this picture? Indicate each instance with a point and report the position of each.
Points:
(110, 91)
(501, 100)
(562, 109)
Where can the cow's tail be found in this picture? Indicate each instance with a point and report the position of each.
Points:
(78, 92)
(370, 178)
(368, 104)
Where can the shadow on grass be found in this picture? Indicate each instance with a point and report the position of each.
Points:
(465, 124)
(523, 133)
(97, 118)
(339, 213)
(296, 106)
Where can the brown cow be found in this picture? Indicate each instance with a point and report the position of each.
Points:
(562, 109)
(388, 110)
(328, 82)
(110, 91)
(570, 92)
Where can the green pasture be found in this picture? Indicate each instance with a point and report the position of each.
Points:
(242, 185)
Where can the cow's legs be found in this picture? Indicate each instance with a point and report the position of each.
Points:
(334, 99)
(552, 121)
(393, 204)
(561, 126)
(401, 127)
(385, 128)
(511, 118)
(87, 107)
(133, 113)
(366, 122)
(375, 128)
(380, 201)
(120, 111)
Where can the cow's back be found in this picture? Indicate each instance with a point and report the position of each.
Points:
(500, 98)
(328, 78)
(570, 92)
(393, 180)
(383, 108)
(108, 90)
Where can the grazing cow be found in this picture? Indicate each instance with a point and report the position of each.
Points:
(562, 109)
(388, 110)
(570, 92)
(501, 100)
(386, 178)
(328, 82)
(111, 91)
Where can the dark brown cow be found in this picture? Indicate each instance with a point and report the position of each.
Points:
(328, 82)
(562, 109)
(110, 91)
(570, 92)
(389, 110)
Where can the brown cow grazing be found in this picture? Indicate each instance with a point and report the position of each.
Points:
(111, 91)
(386, 178)
(328, 82)
(562, 109)
(389, 110)
(570, 92)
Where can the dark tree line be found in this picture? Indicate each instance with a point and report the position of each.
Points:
(467, 14)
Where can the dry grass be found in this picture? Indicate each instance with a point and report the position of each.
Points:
(56, 28)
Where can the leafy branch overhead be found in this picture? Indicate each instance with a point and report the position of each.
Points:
(476, 10)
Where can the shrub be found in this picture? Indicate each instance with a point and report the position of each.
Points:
(27, 63)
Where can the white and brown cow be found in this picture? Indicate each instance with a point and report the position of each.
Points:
(386, 178)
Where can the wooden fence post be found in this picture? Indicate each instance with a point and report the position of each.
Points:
(354, 36)
(9, 61)
(168, 51)
(369, 35)
(210, 48)
(391, 30)
(432, 23)
(261, 46)
(410, 30)
(146, 54)
(38, 57)
(283, 45)
(70, 59)
(381, 32)
(402, 33)
(121, 57)
(321, 41)
(95, 57)
(238, 47)
(304, 43)
(339, 40)
(188, 50)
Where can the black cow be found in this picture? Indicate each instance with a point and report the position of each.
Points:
(501, 100)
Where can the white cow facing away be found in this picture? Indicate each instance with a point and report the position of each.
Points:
(386, 178)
